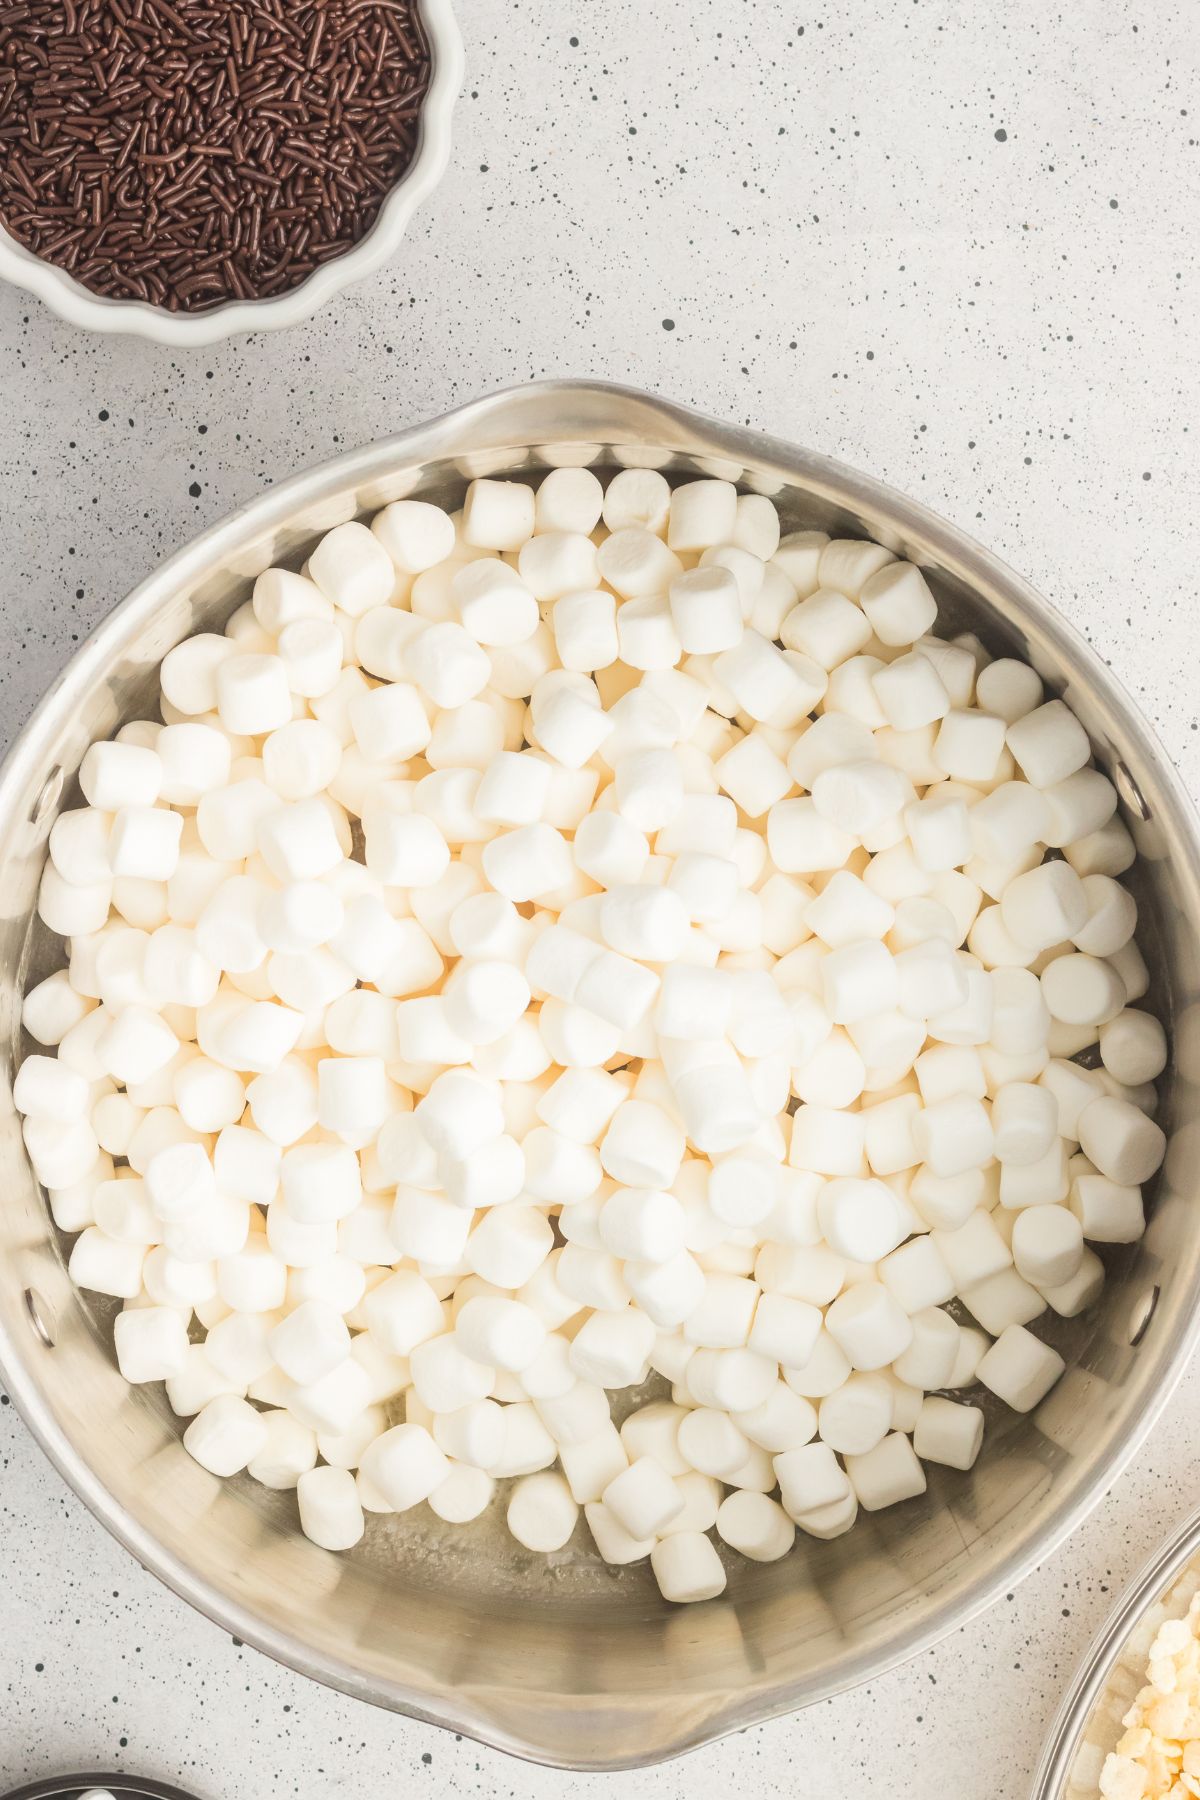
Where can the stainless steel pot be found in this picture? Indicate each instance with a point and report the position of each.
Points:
(567, 1661)
(1113, 1668)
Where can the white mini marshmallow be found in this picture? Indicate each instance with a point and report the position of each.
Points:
(494, 603)
(405, 1465)
(498, 515)
(352, 569)
(225, 1435)
(869, 1326)
(886, 1474)
(1049, 744)
(852, 1419)
(541, 1512)
(948, 1433)
(1019, 1368)
(1123, 1143)
(687, 1568)
(151, 1343)
(898, 604)
(331, 1513)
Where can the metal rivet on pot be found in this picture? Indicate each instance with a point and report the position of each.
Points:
(1129, 790)
(1143, 1311)
(41, 1317)
(48, 795)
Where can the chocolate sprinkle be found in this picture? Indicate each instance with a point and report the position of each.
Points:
(189, 152)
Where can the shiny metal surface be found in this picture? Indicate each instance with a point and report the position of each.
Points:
(1113, 1667)
(98, 1787)
(567, 1661)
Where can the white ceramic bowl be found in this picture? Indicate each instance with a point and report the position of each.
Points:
(64, 295)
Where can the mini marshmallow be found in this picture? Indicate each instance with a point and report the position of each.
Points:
(310, 1342)
(869, 1326)
(706, 607)
(151, 1343)
(253, 696)
(1008, 688)
(114, 775)
(225, 1435)
(1133, 1047)
(711, 1443)
(1122, 1142)
(643, 1498)
(498, 515)
(188, 672)
(1082, 990)
(948, 1433)
(612, 1348)
(47, 1088)
(702, 513)
(528, 862)
(1002, 1300)
(331, 1513)
(973, 1250)
(144, 842)
(495, 603)
(504, 1333)
(756, 1526)
(911, 693)
(403, 1311)
(886, 1474)
(1025, 1122)
(1107, 1213)
(851, 1420)
(541, 1512)
(1047, 1245)
(810, 1478)
(929, 1360)
(1049, 744)
(415, 535)
(954, 1135)
(612, 1541)
(1019, 1368)
(860, 1219)
(686, 1567)
(352, 569)
(898, 604)
(917, 1275)
(405, 1465)
(1084, 1288)
(585, 630)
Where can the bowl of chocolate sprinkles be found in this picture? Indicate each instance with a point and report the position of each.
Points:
(187, 169)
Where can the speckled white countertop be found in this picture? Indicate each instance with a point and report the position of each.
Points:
(949, 241)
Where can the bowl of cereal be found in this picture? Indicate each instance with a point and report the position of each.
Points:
(1127, 1727)
(603, 1062)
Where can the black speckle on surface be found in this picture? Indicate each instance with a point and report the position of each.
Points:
(194, 490)
(1001, 136)
(668, 324)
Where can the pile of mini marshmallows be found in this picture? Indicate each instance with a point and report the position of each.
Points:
(577, 937)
